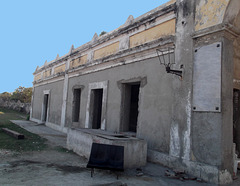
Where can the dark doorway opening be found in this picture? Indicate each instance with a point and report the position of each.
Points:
(45, 107)
(76, 104)
(236, 120)
(97, 95)
(130, 104)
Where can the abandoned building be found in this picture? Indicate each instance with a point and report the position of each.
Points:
(165, 85)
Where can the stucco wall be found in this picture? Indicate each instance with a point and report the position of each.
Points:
(37, 102)
(209, 13)
(60, 68)
(107, 50)
(37, 77)
(78, 61)
(154, 103)
(55, 101)
(161, 30)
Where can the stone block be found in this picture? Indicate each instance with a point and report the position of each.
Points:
(135, 150)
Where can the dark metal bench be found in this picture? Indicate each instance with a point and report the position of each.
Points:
(109, 157)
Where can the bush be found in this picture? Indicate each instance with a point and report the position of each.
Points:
(5, 96)
(20, 94)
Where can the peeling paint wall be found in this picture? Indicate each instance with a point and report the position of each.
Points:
(107, 50)
(78, 61)
(164, 29)
(209, 13)
(47, 73)
(187, 133)
(37, 77)
(59, 69)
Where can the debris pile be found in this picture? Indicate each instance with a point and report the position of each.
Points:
(181, 175)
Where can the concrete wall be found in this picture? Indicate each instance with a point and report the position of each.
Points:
(154, 106)
(135, 150)
(55, 101)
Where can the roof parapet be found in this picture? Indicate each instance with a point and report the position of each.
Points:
(129, 24)
(95, 38)
(71, 49)
(130, 20)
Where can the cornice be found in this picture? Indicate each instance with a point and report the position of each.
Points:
(124, 57)
(125, 28)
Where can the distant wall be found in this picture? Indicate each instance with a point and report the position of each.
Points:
(16, 105)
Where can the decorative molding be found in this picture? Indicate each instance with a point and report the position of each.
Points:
(97, 85)
(129, 20)
(95, 37)
(46, 92)
(71, 49)
(57, 58)
(160, 14)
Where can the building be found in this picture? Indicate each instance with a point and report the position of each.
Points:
(115, 83)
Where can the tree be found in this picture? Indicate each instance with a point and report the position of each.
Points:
(22, 94)
(102, 33)
(27, 95)
(5, 96)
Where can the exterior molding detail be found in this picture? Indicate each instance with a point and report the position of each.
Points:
(97, 85)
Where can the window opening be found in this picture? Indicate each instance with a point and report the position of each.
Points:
(45, 107)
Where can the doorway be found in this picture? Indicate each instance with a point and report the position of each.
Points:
(96, 108)
(236, 120)
(130, 107)
(76, 105)
(45, 107)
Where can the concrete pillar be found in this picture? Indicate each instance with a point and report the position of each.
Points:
(65, 94)
(180, 133)
(227, 105)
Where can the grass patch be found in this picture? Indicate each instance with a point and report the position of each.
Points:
(7, 115)
(32, 142)
(62, 149)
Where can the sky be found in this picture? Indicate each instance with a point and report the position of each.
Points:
(33, 31)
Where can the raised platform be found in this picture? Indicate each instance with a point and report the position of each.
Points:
(135, 150)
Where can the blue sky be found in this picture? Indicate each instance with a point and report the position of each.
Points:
(33, 31)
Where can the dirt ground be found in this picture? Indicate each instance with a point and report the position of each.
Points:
(55, 166)
(62, 168)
